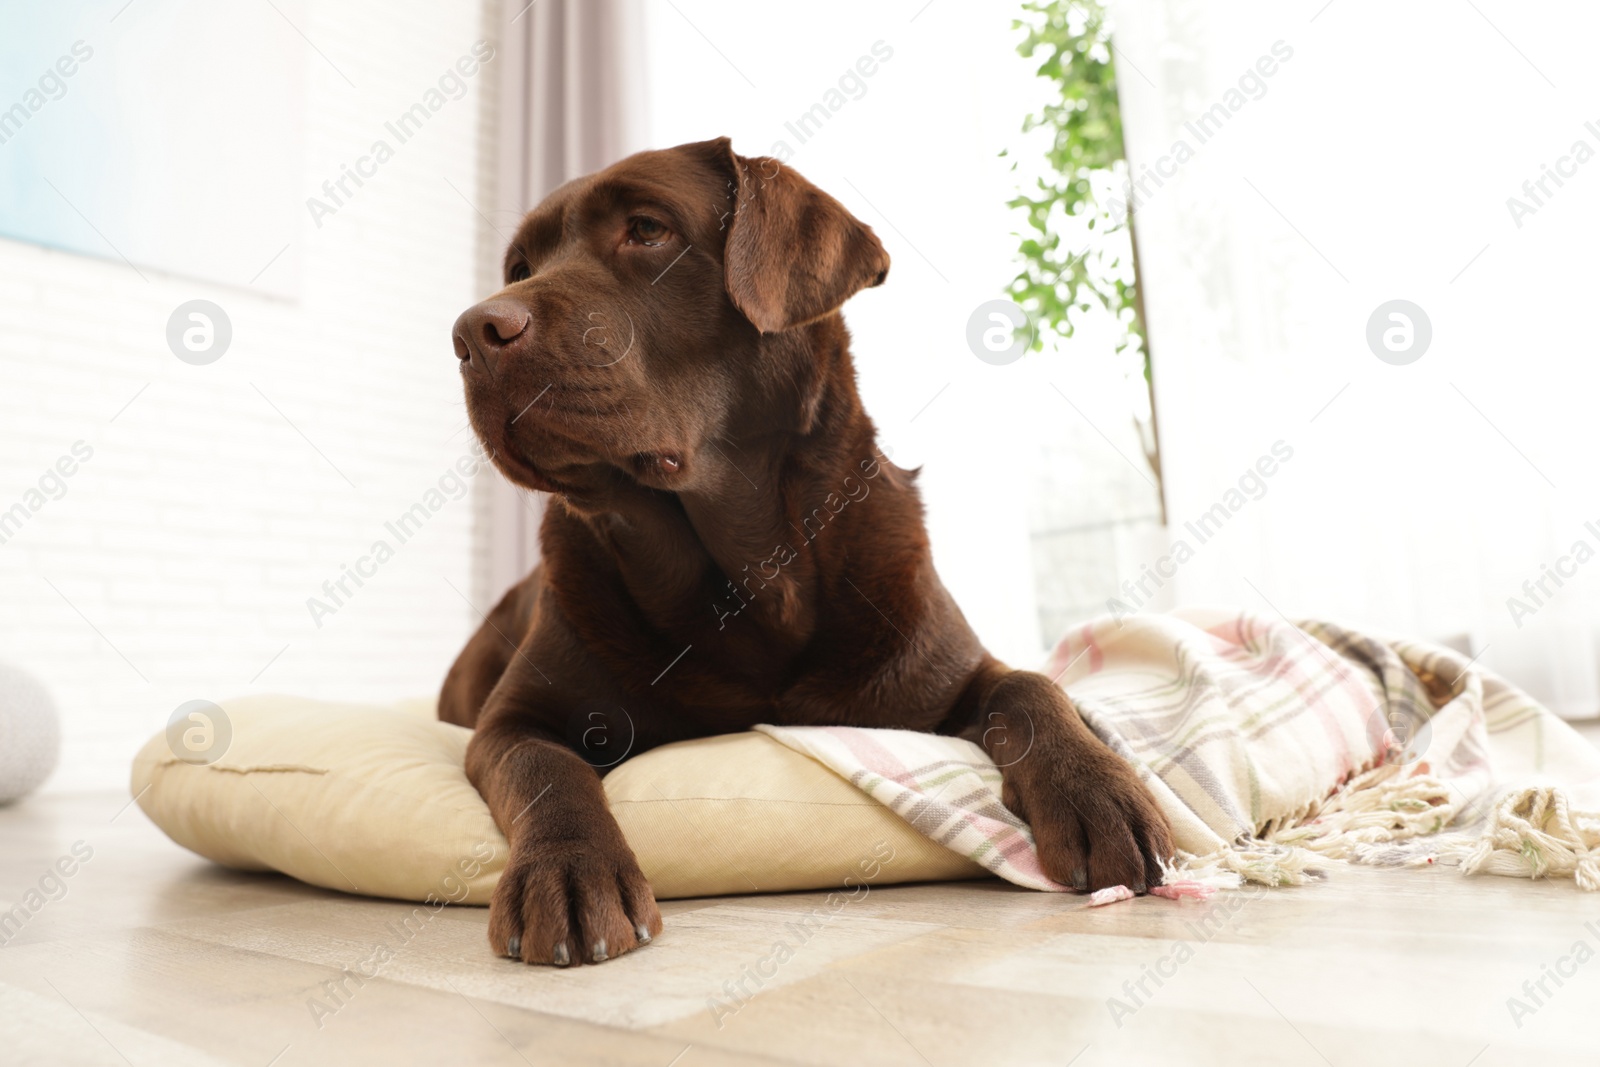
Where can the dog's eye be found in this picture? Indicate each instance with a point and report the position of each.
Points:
(518, 273)
(647, 231)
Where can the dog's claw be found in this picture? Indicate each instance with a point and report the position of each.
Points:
(514, 948)
(562, 958)
(643, 933)
(599, 951)
(1080, 879)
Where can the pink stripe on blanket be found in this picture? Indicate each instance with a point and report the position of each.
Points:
(1097, 656)
(1228, 637)
(1305, 670)
(1071, 650)
(871, 755)
(1304, 663)
(1013, 845)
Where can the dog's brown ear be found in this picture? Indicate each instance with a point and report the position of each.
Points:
(793, 253)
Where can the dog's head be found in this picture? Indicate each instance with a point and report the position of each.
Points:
(654, 306)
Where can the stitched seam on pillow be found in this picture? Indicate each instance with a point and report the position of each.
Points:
(271, 768)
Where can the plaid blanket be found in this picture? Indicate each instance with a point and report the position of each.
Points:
(1274, 748)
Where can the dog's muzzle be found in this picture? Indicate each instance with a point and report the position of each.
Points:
(489, 330)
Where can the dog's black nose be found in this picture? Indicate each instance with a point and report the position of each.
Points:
(485, 331)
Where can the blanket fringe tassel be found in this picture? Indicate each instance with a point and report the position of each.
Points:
(1252, 860)
(1375, 807)
(1531, 833)
(1389, 817)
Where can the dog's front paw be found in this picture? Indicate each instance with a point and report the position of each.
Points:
(570, 903)
(1095, 824)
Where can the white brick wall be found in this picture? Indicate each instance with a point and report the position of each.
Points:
(193, 537)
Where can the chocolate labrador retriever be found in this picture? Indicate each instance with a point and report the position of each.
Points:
(725, 545)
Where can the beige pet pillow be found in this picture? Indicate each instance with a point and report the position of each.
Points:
(374, 800)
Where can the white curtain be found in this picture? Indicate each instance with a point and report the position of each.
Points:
(1316, 161)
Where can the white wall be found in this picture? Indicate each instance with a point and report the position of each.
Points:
(179, 561)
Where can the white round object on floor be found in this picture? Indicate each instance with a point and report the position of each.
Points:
(30, 733)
